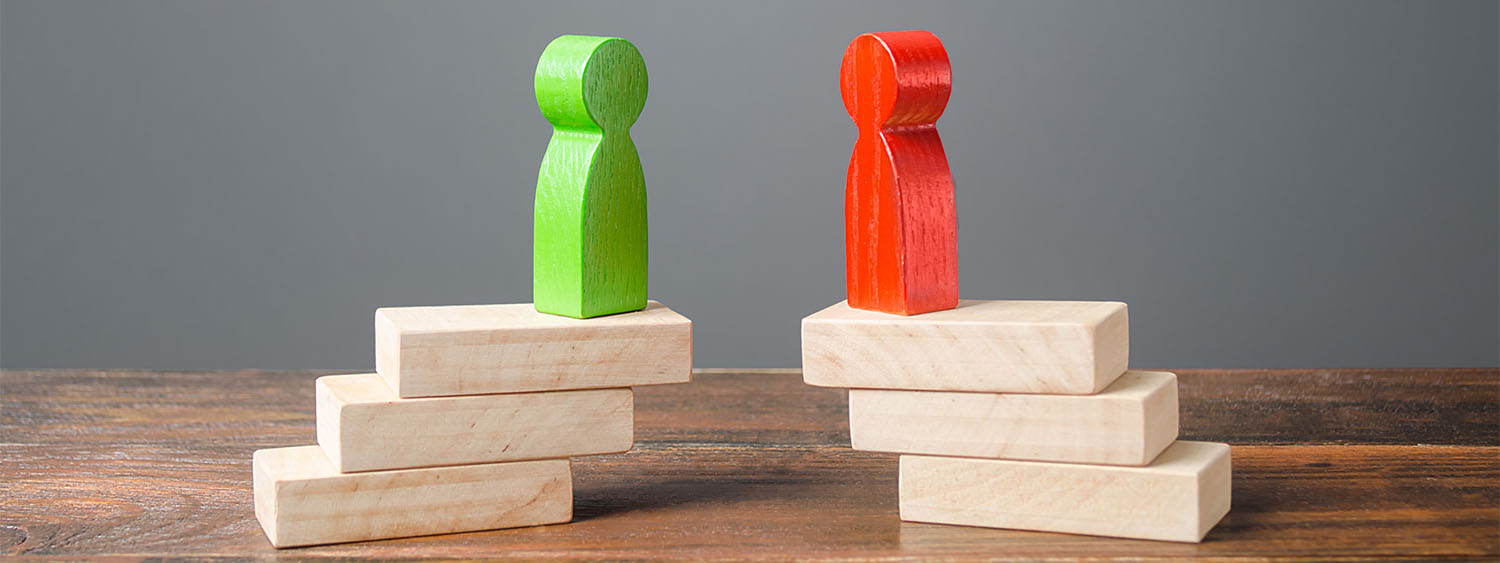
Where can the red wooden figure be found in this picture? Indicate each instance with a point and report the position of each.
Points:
(900, 225)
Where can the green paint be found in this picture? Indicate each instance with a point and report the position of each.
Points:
(589, 245)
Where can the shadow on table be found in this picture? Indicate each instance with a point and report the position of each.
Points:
(614, 498)
(710, 479)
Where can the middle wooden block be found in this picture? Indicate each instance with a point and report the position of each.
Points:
(364, 426)
(473, 349)
(1059, 347)
(1129, 423)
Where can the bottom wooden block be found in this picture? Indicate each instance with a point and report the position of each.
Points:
(1178, 497)
(300, 499)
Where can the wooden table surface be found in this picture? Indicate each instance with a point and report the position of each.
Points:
(1350, 463)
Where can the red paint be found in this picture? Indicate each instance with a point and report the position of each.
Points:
(900, 225)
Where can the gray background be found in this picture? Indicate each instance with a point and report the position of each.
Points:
(196, 184)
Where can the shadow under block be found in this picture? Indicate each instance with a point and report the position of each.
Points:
(1179, 497)
(300, 499)
(1056, 347)
(1129, 423)
(364, 426)
(478, 349)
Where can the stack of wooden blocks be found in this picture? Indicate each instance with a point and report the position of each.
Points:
(469, 423)
(1020, 414)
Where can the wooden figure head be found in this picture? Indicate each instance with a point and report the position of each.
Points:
(895, 78)
(900, 224)
(589, 233)
(591, 82)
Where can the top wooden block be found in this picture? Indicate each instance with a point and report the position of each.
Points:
(1057, 347)
(477, 349)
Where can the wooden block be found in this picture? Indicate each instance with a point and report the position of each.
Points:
(1058, 347)
(364, 426)
(300, 499)
(589, 229)
(1129, 423)
(900, 223)
(477, 349)
(1179, 497)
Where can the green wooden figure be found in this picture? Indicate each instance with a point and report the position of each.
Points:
(589, 246)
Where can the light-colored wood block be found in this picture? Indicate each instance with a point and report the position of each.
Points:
(1179, 497)
(1128, 423)
(300, 499)
(477, 349)
(1057, 347)
(364, 426)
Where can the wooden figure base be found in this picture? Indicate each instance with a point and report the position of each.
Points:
(1057, 347)
(300, 499)
(479, 349)
(1179, 497)
(364, 426)
(1129, 423)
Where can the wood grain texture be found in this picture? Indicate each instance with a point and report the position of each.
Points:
(900, 223)
(1178, 497)
(1055, 347)
(473, 349)
(589, 251)
(364, 426)
(1456, 407)
(1128, 423)
(301, 499)
(1352, 464)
